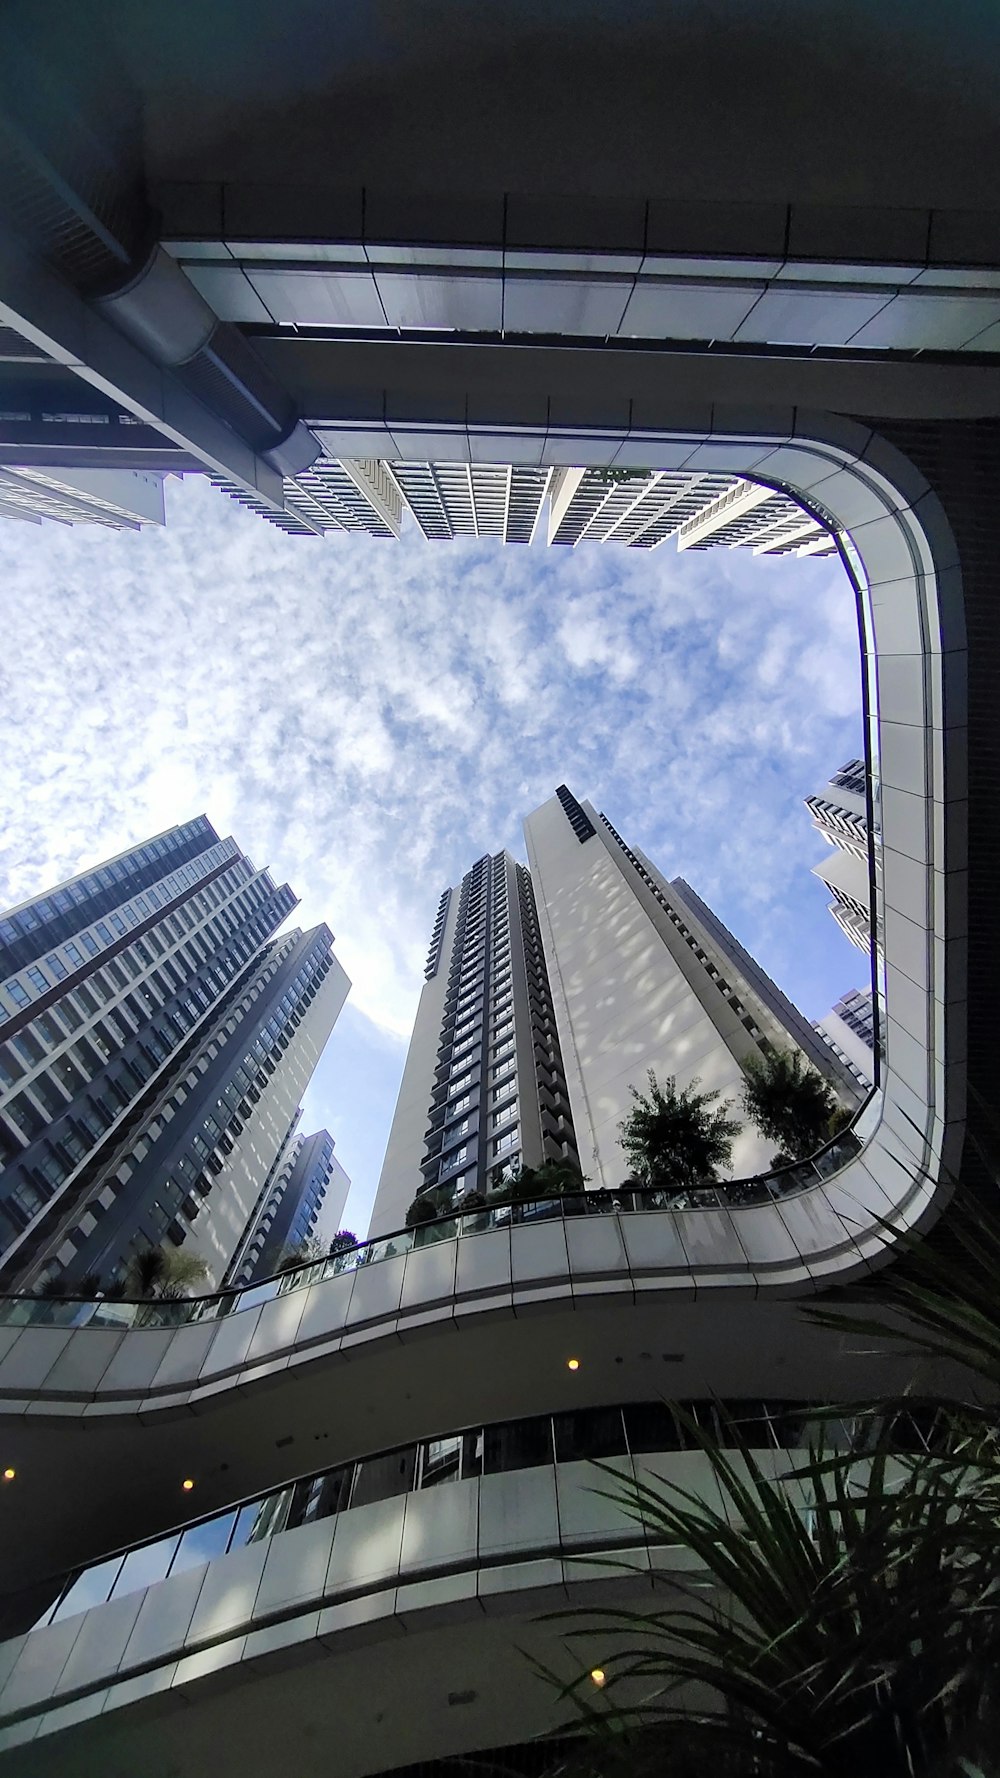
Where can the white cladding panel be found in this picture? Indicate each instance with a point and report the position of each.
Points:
(622, 1004)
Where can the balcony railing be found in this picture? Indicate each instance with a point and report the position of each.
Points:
(452, 1224)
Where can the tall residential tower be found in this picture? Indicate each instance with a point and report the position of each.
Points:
(484, 1087)
(155, 1042)
(840, 814)
(551, 992)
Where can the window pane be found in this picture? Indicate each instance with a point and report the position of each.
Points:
(441, 1461)
(92, 1587)
(321, 1496)
(141, 1568)
(28, 1046)
(381, 1478)
(517, 1444)
(651, 1427)
(589, 1432)
(246, 1519)
(201, 1542)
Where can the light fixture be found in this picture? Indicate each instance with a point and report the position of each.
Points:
(598, 1676)
(572, 1364)
(187, 1484)
(9, 1474)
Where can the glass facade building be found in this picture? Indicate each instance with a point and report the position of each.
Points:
(306, 1179)
(484, 1088)
(147, 1017)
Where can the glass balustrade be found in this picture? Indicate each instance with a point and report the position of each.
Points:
(28, 1311)
(584, 1434)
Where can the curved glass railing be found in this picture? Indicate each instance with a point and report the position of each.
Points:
(602, 1433)
(764, 1188)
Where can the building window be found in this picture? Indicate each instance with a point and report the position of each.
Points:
(18, 994)
(57, 967)
(48, 1027)
(504, 1143)
(104, 931)
(457, 1158)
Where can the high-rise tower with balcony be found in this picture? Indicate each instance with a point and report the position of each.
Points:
(155, 1042)
(645, 977)
(551, 992)
(483, 1088)
(305, 1181)
(840, 813)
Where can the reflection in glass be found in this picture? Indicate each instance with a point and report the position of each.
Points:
(200, 1543)
(320, 1497)
(144, 1566)
(91, 1587)
(440, 1461)
(381, 1478)
(246, 1520)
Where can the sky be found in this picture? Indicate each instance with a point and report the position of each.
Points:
(367, 718)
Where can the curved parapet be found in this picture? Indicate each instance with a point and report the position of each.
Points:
(450, 1578)
(101, 1425)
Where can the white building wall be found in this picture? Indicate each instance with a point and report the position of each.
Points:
(624, 1001)
(219, 1225)
(400, 1178)
(839, 1033)
(332, 1215)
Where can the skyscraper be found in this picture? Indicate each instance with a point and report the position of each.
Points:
(330, 495)
(849, 1029)
(484, 1087)
(305, 1180)
(639, 507)
(155, 1043)
(118, 499)
(727, 954)
(750, 515)
(641, 981)
(840, 814)
(550, 992)
(473, 499)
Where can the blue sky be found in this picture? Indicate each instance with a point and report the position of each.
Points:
(367, 718)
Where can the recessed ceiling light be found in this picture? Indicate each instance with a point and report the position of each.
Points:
(572, 1364)
(9, 1474)
(598, 1676)
(187, 1484)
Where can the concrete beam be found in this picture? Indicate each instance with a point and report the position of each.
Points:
(42, 309)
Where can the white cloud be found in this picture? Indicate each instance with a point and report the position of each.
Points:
(367, 718)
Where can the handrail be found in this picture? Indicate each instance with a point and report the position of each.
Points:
(763, 1188)
(775, 1425)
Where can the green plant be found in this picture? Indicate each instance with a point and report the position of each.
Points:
(676, 1140)
(842, 1618)
(301, 1253)
(343, 1241)
(421, 1210)
(790, 1103)
(841, 1621)
(160, 1274)
(550, 1179)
